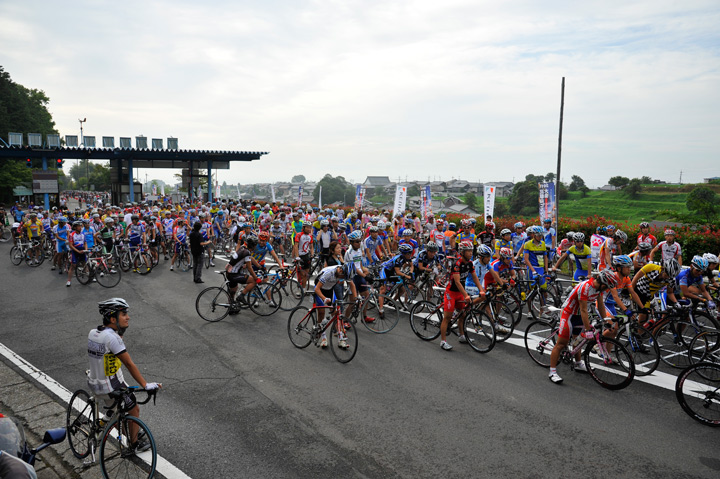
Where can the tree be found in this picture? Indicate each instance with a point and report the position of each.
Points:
(633, 188)
(703, 202)
(619, 181)
(334, 189)
(471, 200)
(535, 178)
(576, 183)
(524, 198)
(413, 190)
(298, 179)
(550, 177)
(646, 180)
(562, 190)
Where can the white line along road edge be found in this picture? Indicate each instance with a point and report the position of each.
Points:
(164, 467)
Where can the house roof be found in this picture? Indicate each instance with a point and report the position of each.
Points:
(377, 181)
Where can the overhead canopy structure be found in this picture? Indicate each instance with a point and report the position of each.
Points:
(124, 160)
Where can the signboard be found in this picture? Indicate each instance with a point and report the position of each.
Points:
(426, 202)
(547, 201)
(300, 188)
(359, 197)
(489, 196)
(400, 199)
(45, 182)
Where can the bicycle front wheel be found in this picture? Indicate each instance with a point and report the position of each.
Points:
(540, 339)
(611, 366)
(213, 304)
(265, 299)
(425, 320)
(143, 263)
(381, 322)
(480, 332)
(674, 341)
(79, 417)
(83, 272)
(119, 457)
(106, 276)
(698, 391)
(300, 326)
(642, 346)
(292, 294)
(704, 348)
(343, 342)
(503, 318)
(16, 255)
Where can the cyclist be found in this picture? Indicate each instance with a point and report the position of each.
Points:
(581, 252)
(501, 271)
(611, 247)
(357, 273)
(518, 238)
(61, 231)
(505, 241)
(712, 267)
(596, 241)
(456, 297)
(77, 245)
(623, 267)
(669, 248)
(407, 238)
(641, 256)
(33, 228)
(651, 279)
(303, 251)
(574, 317)
(691, 282)
(550, 238)
(179, 235)
(277, 233)
(536, 258)
(645, 236)
(487, 237)
(325, 291)
(450, 237)
(395, 268)
(262, 248)
(428, 258)
(168, 225)
(106, 356)
(135, 233)
(324, 237)
(371, 244)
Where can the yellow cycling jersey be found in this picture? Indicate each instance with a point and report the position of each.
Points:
(536, 253)
(33, 229)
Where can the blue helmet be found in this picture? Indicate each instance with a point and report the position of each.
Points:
(699, 263)
(622, 260)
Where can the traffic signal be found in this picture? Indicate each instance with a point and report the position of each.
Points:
(59, 163)
(28, 163)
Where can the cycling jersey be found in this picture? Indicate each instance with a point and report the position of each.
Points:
(135, 231)
(438, 238)
(481, 270)
(371, 245)
(641, 259)
(354, 257)
(518, 239)
(239, 259)
(324, 238)
(686, 278)
(581, 256)
(422, 258)
(536, 253)
(647, 239)
(259, 252)
(501, 243)
(304, 242)
(33, 229)
(461, 268)
(503, 270)
(596, 242)
(582, 292)
(651, 283)
(412, 243)
(328, 278)
(105, 373)
(168, 224)
(670, 251)
(89, 233)
(77, 239)
(397, 261)
(462, 236)
(548, 235)
(486, 238)
(180, 233)
(205, 228)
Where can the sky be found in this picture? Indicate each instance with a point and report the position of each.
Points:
(412, 90)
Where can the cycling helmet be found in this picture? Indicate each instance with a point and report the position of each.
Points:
(62, 219)
(506, 253)
(355, 236)
(373, 229)
(348, 269)
(96, 215)
(518, 225)
(621, 236)
(220, 213)
(671, 267)
(622, 260)
(669, 232)
(609, 227)
(579, 237)
(699, 263)
(608, 278)
(108, 220)
(407, 232)
(547, 220)
(381, 225)
(489, 225)
(432, 246)
(601, 230)
(443, 215)
(85, 221)
(472, 221)
(134, 217)
(645, 247)
(251, 241)
(201, 215)
(505, 231)
(644, 224)
(77, 223)
(571, 235)
(32, 214)
(110, 306)
(306, 223)
(483, 250)
(465, 223)
(465, 246)
(263, 236)
(405, 248)
(153, 218)
(324, 223)
(452, 226)
(711, 258)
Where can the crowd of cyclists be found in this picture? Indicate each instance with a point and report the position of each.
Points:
(364, 248)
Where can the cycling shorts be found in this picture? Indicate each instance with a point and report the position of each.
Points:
(453, 300)
(127, 401)
(61, 247)
(305, 261)
(178, 247)
(236, 278)
(578, 273)
(540, 275)
(360, 283)
(570, 323)
(77, 257)
(328, 293)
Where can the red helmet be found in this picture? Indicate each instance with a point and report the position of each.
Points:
(263, 236)
(465, 246)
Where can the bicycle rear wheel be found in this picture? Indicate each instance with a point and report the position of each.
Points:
(83, 272)
(540, 339)
(300, 326)
(616, 371)
(642, 346)
(425, 320)
(343, 342)
(378, 322)
(78, 423)
(674, 339)
(292, 296)
(504, 320)
(118, 457)
(143, 263)
(698, 391)
(704, 348)
(265, 299)
(213, 304)
(480, 332)
(107, 277)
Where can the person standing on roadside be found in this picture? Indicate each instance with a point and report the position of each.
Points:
(197, 249)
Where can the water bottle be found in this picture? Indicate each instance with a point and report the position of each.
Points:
(522, 295)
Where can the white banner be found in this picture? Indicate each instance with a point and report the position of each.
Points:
(299, 195)
(320, 198)
(400, 199)
(272, 192)
(217, 191)
(162, 189)
(199, 192)
(489, 201)
(154, 189)
(238, 190)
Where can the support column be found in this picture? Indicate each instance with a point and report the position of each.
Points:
(46, 196)
(210, 189)
(132, 181)
(190, 188)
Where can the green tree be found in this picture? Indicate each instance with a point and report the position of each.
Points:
(471, 200)
(413, 190)
(334, 189)
(298, 179)
(619, 181)
(535, 178)
(524, 198)
(562, 190)
(550, 177)
(576, 183)
(646, 180)
(704, 203)
(633, 188)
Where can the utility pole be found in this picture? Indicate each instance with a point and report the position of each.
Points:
(557, 176)
(681, 177)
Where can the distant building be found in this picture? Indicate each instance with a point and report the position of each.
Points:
(377, 181)
(708, 180)
(607, 188)
(502, 188)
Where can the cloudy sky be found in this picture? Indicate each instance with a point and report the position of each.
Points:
(417, 89)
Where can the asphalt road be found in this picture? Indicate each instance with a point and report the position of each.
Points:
(240, 401)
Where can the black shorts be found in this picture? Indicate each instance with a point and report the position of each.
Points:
(305, 261)
(236, 278)
(360, 283)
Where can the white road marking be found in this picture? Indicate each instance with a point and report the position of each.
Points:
(163, 466)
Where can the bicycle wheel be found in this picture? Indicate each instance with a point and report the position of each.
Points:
(480, 332)
(616, 371)
(125, 261)
(540, 339)
(265, 299)
(674, 339)
(642, 347)
(704, 348)
(83, 272)
(207, 259)
(78, 423)
(515, 304)
(535, 303)
(504, 320)
(425, 320)
(292, 295)
(343, 351)
(142, 263)
(5, 234)
(213, 304)
(118, 457)
(300, 326)
(381, 322)
(106, 276)
(16, 255)
(698, 391)
(36, 261)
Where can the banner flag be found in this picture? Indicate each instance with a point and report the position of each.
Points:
(272, 191)
(300, 195)
(547, 201)
(400, 199)
(359, 197)
(320, 198)
(489, 196)
(162, 189)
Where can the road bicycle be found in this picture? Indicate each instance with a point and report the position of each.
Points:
(640, 343)
(89, 431)
(5, 232)
(697, 389)
(215, 303)
(293, 294)
(98, 267)
(704, 347)
(303, 328)
(426, 318)
(22, 251)
(136, 258)
(610, 364)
